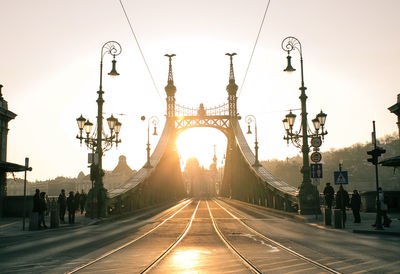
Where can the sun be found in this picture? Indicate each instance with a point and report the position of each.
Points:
(199, 143)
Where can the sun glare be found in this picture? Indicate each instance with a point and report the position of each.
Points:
(199, 143)
(188, 260)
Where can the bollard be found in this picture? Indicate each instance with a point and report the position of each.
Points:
(34, 221)
(327, 216)
(54, 221)
(338, 218)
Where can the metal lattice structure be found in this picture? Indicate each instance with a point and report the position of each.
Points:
(215, 117)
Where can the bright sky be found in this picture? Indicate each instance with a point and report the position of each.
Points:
(50, 55)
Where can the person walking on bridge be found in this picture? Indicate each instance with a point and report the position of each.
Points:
(36, 204)
(62, 205)
(342, 201)
(71, 207)
(355, 204)
(329, 194)
(42, 209)
(82, 200)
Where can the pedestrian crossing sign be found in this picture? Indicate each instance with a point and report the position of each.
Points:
(341, 177)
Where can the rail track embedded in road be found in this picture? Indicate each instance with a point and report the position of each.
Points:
(177, 241)
(75, 270)
(324, 267)
(242, 258)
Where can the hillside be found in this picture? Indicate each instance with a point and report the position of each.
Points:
(361, 172)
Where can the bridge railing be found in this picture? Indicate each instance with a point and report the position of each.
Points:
(279, 187)
(145, 172)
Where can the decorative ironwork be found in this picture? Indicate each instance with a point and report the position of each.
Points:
(190, 117)
(296, 136)
(290, 43)
(221, 123)
(182, 111)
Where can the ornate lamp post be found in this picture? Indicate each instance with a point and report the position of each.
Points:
(308, 195)
(252, 119)
(97, 140)
(154, 120)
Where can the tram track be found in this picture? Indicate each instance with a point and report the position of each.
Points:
(115, 250)
(229, 240)
(173, 245)
(276, 243)
(235, 251)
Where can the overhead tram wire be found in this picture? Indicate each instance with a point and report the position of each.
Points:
(254, 48)
(141, 52)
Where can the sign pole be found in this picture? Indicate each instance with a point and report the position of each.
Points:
(24, 204)
(341, 197)
(378, 221)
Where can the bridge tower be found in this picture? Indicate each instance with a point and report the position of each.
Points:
(232, 88)
(170, 89)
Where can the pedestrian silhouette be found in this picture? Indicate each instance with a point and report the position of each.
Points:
(76, 200)
(383, 199)
(42, 209)
(62, 205)
(355, 204)
(36, 203)
(71, 207)
(82, 200)
(329, 194)
(342, 201)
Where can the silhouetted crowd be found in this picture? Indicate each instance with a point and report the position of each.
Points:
(40, 206)
(343, 201)
(74, 202)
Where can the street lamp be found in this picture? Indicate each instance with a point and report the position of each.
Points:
(308, 200)
(252, 119)
(154, 120)
(97, 140)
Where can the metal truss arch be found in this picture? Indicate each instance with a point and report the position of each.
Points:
(221, 123)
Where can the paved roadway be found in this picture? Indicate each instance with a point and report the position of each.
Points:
(214, 236)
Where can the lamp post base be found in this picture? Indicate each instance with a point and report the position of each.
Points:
(309, 201)
(96, 206)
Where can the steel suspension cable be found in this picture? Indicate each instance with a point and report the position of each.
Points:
(254, 48)
(141, 52)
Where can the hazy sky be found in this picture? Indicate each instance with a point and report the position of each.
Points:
(50, 55)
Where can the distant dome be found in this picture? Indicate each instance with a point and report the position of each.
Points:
(81, 175)
(122, 167)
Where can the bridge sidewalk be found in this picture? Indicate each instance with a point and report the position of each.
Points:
(367, 220)
(366, 225)
(12, 226)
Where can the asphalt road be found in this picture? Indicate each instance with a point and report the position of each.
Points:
(200, 237)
